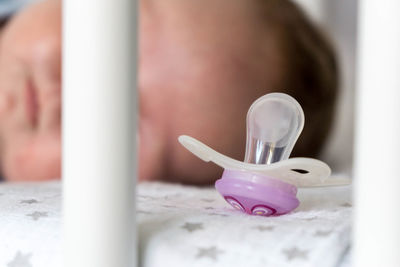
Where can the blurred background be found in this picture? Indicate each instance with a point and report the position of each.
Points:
(339, 20)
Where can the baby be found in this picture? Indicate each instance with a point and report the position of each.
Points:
(201, 65)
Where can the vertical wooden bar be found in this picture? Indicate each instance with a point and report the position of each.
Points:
(377, 151)
(99, 106)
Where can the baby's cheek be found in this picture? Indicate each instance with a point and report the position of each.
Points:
(35, 159)
(151, 147)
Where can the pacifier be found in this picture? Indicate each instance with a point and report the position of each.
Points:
(266, 182)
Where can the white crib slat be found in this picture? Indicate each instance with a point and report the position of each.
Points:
(377, 218)
(99, 102)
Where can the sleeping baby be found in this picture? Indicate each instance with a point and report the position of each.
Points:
(201, 65)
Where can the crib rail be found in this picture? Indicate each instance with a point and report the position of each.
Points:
(377, 216)
(99, 107)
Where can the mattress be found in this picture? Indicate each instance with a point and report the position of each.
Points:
(187, 226)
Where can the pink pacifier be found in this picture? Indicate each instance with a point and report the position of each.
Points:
(266, 182)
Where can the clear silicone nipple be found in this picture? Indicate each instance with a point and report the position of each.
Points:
(274, 122)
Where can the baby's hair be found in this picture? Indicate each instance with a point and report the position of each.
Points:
(311, 69)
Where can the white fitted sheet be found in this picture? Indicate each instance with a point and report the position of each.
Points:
(187, 226)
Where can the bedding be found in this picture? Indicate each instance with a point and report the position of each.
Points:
(187, 226)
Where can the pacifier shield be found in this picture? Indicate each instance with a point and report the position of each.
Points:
(272, 197)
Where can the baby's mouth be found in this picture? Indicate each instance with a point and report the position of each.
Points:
(31, 104)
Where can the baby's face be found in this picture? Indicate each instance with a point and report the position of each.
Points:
(201, 65)
(30, 95)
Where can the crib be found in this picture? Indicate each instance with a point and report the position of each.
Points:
(108, 219)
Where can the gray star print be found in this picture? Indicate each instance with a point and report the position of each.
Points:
(311, 218)
(295, 253)
(322, 233)
(168, 206)
(211, 252)
(207, 200)
(36, 215)
(20, 260)
(28, 201)
(263, 228)
(191, 227)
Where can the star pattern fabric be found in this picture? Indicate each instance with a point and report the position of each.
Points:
(28, 201)
(36, 215)
(184, 226)
(20, 260)
(191, 227)
(295, 253)
(263, 228)
(323, 233)
(210, 252)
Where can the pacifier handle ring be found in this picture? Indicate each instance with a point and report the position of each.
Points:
(317, 172)
(274, 123)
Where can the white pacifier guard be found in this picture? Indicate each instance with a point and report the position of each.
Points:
(300, 172)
